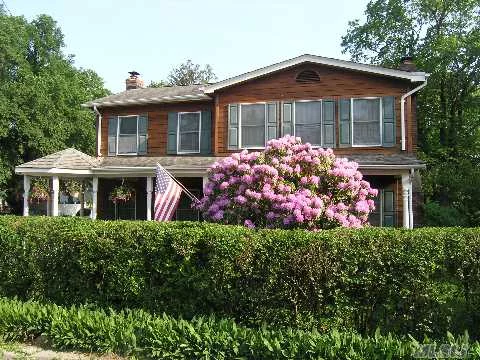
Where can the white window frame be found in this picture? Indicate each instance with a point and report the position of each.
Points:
(380, 122)
(118, 135)
(294, 123)
(264, 103)
(199, 131)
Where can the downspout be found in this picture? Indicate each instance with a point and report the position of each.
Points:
(402, 109)
(99, 129)
(410, 200)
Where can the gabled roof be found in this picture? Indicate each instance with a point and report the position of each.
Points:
(151, 96)
(71, 159)
(372, 69)
(200, 92)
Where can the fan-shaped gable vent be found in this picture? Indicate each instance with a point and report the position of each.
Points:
(307, 76)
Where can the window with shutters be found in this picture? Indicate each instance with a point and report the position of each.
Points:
(189, 129)
(311, 120)
(366, 122)
(131, 137)
(308, 121)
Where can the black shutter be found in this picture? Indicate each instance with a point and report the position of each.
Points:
(206, 133)
(172, 132)
(142, 134)
(271, 121)
(388, 121)
(328, 123)
(345, 123)
(287, 119)
(233, 126)
(388, 208)
(112, 135)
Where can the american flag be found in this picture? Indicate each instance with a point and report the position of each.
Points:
(167, 195)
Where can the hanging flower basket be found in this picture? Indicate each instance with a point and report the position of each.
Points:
(39, 191)
(120, 194)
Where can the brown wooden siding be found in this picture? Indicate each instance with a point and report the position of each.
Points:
(281, 86)
(157, 122)
(334, 84)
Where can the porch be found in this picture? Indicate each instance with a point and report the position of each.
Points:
(394, 176)
(104, 174)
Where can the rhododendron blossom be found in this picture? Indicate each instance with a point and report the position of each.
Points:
(288, 185)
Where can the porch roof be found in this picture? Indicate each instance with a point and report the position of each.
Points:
(386, 161)
(61, 161)
(135, 163)
(73, 162)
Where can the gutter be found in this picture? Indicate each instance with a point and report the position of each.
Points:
(99, 130)
(391, 167)
(402, 108)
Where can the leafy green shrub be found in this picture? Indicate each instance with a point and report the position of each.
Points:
(437, 215)
(140, 334)
(423, 281)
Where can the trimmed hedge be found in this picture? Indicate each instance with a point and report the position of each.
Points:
(140, 334)
(423, 281)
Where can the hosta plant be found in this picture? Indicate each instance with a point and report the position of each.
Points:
(287, 185)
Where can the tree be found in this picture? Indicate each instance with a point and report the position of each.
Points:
(444, 38)
(40, 95)
(288, 185)
(187, 73)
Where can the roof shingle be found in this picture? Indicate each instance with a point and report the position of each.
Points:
(65, 159)
(152, 96)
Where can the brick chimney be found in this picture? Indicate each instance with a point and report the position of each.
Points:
(407, 64)
(134, 81)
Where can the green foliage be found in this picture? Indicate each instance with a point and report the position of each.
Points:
(187, 73)
(40, 95)
(423, 281)
(436, 215)
(444, 38)
(137, 333)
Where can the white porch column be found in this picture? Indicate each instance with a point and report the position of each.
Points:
(93, 212)
(406, 186)
(55, 188)
(204, 182)
(26, 194)
(149, 197)
(410, 201)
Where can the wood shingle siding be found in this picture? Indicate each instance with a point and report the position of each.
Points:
(335, 84)
(157, 122)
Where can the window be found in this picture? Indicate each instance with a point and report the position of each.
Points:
(366, 122)
(189, 124)
(252, 128)
(308, 121)
(384, 213)
(127, 135)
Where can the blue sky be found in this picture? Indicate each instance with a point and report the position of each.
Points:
(151, 37)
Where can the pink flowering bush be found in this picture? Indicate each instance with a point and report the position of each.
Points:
(288, 185)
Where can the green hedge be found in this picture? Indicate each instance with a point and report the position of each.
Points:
(425, 281)
(139, 334)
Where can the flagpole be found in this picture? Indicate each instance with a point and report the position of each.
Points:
(189, 194)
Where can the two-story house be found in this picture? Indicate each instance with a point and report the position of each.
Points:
(364, 112)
